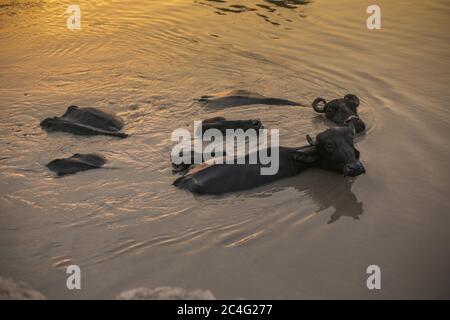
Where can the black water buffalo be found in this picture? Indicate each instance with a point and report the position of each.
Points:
(85, 121)
(332, 149)
(341, 111)
(223, 124)
(76, 163)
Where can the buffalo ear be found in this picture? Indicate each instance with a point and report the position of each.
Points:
(306, 155)
(356, 153)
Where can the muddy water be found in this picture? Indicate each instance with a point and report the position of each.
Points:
(311, 236)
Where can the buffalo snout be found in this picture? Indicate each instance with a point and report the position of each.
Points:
(47, 123)
(354, 169)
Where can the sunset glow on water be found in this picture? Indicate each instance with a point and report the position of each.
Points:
(149, 62)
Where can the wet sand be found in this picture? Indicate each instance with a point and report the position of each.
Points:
(311, 236)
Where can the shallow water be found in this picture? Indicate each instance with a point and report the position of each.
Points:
(311, 236)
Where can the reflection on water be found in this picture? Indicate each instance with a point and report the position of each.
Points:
(331, 191)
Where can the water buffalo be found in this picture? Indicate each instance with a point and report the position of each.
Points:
(341, 111)
(332, 149)
(85, 121)
(77, 162)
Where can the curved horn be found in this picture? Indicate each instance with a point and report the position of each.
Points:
(353, 99)
(310, 140)
(316, 107)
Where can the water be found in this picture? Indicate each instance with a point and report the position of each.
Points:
(311, 236)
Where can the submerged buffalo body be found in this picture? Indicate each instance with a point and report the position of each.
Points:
(332, 150)
(85, 121)
(77, 162)
(236, 98)
(341, 111)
